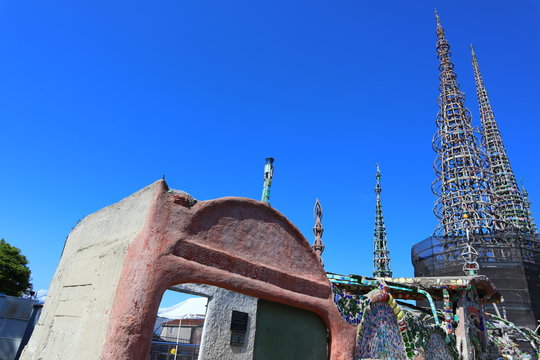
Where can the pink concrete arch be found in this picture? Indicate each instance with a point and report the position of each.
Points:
(234, 243)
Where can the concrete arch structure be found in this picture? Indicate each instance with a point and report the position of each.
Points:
(118, 262)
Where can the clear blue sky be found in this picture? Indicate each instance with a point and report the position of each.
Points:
(100, 98)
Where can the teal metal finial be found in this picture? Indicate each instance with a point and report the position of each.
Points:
(268, 175)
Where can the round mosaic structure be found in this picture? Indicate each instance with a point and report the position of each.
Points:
(379, 336)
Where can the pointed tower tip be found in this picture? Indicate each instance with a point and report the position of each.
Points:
(437, 18)
(317, 209)
(472, 50)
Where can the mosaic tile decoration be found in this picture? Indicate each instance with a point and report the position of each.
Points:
(419, 333)
(351, 307)
(437, 349)
(388, 331)
(379, 336)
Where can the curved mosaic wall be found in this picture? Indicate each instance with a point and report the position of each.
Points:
(379, 336)
(437, 349)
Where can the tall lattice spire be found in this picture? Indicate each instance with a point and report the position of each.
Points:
(381, 255)
(508, 201)
(318, 230)
(527, 208)
(463, 204)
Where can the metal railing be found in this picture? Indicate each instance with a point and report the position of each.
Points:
(166, 348)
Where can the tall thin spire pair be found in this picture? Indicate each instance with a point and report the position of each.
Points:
(474, 180)
(477, 193)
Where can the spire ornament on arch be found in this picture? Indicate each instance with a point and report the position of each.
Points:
(318, 230)
(381, 254)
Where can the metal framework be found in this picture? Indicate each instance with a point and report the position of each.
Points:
(318, 230)
(464, 204)
(381, 254)
(509, 202)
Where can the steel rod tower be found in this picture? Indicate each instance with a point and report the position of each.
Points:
(381, 254)
(464, 205)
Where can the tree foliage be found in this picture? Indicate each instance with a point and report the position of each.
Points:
(14, 271)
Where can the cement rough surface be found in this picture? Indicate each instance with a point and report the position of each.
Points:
(75, 318)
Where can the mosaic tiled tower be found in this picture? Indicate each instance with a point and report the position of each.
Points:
(509, 203)
(381, 255)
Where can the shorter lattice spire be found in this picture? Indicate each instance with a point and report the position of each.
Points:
(381, 255)
(509, 208)
(318, 230)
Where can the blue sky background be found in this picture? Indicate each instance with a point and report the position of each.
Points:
(100, 98)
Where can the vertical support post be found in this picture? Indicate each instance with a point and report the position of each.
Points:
(177, 339)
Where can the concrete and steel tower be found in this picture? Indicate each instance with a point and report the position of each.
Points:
(509, 204)
(381, 255)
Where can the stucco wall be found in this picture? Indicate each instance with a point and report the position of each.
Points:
(76, 315)
(118, 261)
(216, 336)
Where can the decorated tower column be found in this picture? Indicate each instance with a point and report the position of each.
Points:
(381, 255)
